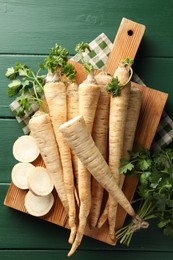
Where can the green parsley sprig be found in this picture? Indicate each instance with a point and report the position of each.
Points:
(57, 62)
(69, 70)
(27, 84)
(58, 57)
(114, 87)
(127, 60)
(80, 49)
(155, 170)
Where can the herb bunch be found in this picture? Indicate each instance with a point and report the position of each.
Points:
(155, 170)
(27, 84)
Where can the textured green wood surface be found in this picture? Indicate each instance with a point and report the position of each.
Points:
(27, 30)
(61, 254)
(26, 25)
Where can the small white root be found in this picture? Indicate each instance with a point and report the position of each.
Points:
(38, 205)
(25, 149)
(20, 173)
(39, 181)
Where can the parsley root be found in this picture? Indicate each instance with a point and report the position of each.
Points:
(117, 121)
(42, 130)
(76, 134)
(100, 136)
(133, 110)
(56, 98)
(89, 93)
(73, 111)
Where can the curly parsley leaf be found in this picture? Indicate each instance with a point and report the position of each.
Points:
(114, 87)
(57, 58)
(69, 70)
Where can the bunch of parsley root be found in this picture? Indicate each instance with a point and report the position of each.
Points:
(154, 168)
(155, 188)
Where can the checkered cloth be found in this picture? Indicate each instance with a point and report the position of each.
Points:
(164, 134)
(100, 50)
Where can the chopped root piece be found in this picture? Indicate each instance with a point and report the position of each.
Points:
(20, 173)
(38, 205)
(25, 149)
(39, 181)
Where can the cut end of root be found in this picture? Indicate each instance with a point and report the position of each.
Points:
(39, 181)
(20, 173)
(70, 122)
(25, 149)
(38, 206)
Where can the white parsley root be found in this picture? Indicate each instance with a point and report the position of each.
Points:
(38, 206)
(39, 181)
(20, 173)
(25, 149)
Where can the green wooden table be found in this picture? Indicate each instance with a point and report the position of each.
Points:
(27, 30)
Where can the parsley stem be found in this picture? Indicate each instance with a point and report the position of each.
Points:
(35, 78)
(125, 234)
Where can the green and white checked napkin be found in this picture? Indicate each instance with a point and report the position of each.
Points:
(100, 49)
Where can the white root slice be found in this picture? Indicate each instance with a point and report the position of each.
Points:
(38, 206)
(39, 181)
(20, 173)
(25, 149)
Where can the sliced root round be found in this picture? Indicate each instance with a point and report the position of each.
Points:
(38, 206)
(25, 149)
(39, 181)
(20, 173)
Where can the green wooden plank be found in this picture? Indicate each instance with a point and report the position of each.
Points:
(34, 26)
(102, 255)
(9, 132)
(24, 231)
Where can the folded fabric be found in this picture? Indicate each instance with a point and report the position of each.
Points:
(100, 49)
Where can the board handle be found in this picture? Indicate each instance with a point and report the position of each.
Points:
(126, 43)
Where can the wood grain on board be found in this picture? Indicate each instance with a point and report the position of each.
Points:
(126, 44)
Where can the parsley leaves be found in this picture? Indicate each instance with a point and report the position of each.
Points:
(28, 84)
(155, 170)
(114, 87)
(57, 57)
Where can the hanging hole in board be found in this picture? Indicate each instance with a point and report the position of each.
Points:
(130, 32)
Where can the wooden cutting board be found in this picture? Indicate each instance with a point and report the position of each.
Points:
(126, 44)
